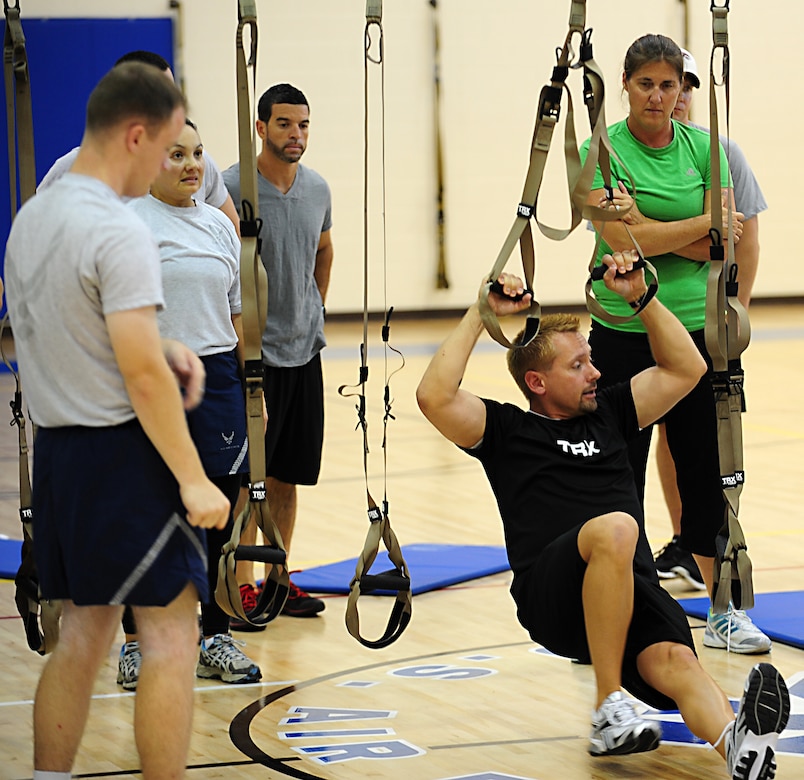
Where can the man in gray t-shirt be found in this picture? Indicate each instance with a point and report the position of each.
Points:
(120, 497)
(295, 209)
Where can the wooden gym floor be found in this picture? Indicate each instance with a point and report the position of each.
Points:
(463, 693)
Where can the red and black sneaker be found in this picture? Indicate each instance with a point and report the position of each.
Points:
(301, 604)
(249, 595)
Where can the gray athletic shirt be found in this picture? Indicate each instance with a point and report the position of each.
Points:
(76, 254)
(292, 226)
(200, 255)
(748, 197)
(213, 190)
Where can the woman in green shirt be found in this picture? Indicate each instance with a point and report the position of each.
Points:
(670, 166)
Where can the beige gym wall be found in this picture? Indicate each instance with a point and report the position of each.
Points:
(495, 57)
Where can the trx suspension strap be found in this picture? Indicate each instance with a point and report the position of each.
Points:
(254, 285)
(397, 579)
(727, 332)
(579, 178)
(442, 281)
(19, 116)
(40, 617)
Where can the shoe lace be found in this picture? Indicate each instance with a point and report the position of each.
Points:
(295, 592)
(248, 596)
(731, 624)
(620, 712)
(669, 546)
(222, 648)
(663, 550)
(740, 617)
(131, 658)
(736, 620)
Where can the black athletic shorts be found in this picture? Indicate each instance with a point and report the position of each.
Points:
(691, 427)
(550, 607)
(294, 398)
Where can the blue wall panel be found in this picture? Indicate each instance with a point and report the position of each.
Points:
(66, 58)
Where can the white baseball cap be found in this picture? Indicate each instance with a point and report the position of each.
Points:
(691, 69)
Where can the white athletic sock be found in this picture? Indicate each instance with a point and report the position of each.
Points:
(41, 775)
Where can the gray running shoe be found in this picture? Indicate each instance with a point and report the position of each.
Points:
(220, 657)
(128, 666)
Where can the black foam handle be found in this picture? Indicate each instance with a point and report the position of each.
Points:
(393, 579)
(599, 270)
(261, 554)
(497, 289)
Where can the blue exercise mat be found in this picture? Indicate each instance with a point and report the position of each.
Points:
(431, 566)
(10, 552)
(779, 615)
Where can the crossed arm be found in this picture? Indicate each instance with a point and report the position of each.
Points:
(685, 237)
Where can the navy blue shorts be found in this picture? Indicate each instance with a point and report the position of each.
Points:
(109, 523)
(218, 423)
(294, 398)
(549, 603)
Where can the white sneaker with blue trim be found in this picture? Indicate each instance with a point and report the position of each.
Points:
(735, 632)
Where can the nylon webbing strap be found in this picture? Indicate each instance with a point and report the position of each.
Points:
(727, 333)
(254, 286)
(396, 580)
(40, 616)
(579, 177)
(19, 116)
(442, 280)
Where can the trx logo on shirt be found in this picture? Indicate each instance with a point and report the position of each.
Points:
(585, 448)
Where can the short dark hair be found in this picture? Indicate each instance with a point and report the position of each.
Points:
(132, 90)
(540, 353)
(279, 93)
(148, 57)
(653, 48)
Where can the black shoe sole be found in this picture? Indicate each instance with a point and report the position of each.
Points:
(644, 742)
(241, 625)
(766, 702)
(302, 613)
(689, 578)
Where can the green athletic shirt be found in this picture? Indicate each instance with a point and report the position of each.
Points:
(671, 183)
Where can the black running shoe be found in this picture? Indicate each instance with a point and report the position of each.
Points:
(301, 604)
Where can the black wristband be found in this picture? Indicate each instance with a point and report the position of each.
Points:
(640, 303)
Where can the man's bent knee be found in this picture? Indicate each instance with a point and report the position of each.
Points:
(613, 533)
(665, 663)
